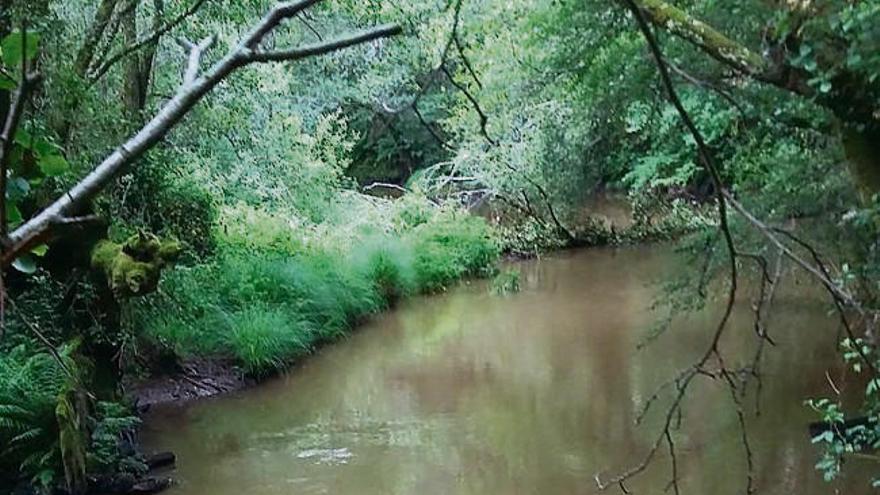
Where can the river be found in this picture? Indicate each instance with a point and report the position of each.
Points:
(533, 393)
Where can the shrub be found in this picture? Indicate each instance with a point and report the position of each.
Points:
(450, 247)
(187, 212)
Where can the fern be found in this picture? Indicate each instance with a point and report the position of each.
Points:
(29, 388)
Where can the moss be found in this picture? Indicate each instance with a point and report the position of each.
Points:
(681, 23)
(133, 268)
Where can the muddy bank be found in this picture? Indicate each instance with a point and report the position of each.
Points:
(197, 378)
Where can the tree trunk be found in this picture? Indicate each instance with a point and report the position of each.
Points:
(86, 52)
(133, 95)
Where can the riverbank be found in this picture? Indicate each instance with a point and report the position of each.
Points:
(266, 302)
(430, 257)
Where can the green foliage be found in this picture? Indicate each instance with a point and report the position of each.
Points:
(29, 388)
(186, 212)
(451, 247)
(840, 439)
(271, 299)
(258, 183)
(113, 425)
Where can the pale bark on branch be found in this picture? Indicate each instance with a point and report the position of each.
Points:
(39, 228)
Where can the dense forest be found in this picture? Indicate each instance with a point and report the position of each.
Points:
(224, 186)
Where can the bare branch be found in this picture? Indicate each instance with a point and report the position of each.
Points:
(845, 297)
(316, 49)
(195, 57)
(484, 120)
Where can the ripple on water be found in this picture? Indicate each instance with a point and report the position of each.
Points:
(327, 456)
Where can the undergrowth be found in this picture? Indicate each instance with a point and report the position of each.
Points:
(270, 297)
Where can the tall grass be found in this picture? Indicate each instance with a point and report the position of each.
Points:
(268, 299)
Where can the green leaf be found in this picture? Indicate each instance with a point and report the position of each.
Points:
(13, 215)
(40, 250)
(17, 189)
(12, 49)
(825, 86)
(53, 165)
(7, 83)
(25, 264)
(24, 139)
(45, 147)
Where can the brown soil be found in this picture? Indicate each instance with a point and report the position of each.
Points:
(198, 378)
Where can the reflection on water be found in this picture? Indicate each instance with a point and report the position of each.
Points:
(534, 393)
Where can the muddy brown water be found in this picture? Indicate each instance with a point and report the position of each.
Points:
(532, 393)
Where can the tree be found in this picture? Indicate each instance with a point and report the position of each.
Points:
(815, 50)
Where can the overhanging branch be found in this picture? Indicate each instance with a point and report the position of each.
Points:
(707, 38)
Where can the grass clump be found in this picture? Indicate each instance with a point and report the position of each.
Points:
(451, 247)
(262, 337)
(267, 299)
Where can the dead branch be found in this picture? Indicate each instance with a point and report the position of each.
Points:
(384, 185)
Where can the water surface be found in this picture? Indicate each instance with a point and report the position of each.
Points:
(534, 393)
